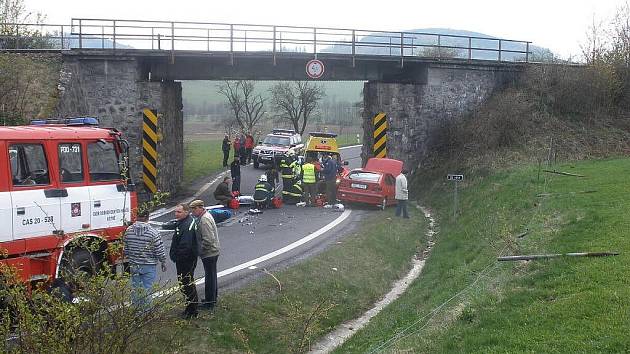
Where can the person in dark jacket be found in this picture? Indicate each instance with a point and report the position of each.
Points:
(222, 193)
(249, 146)
(226, 150)
(183, 253)
(235, 171)
(272, 176)
(242, 151)
(329, 171)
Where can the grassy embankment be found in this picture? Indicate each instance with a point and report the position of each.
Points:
(283, 312)
(202, 158)
(466, 301)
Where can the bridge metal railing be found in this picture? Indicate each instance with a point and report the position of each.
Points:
(248, 38)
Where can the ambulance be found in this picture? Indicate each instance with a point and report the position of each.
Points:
(62, 182)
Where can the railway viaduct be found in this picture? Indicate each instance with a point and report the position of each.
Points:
(417, 92)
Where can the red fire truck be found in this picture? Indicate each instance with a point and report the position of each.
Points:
(61, 182)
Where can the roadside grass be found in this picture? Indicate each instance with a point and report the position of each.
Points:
(348, 139)
(202, 158)
(547, 306)
(294, 307)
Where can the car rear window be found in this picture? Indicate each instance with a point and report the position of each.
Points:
(364, 176)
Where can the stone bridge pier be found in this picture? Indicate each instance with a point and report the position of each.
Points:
(116, 89)
(445, 93)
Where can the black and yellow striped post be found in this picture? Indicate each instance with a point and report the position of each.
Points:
(380, 135)
(149, 149)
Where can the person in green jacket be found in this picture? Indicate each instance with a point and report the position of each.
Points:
(207, 237)
(309, 182)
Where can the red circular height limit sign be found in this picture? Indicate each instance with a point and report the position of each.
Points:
(315, 69)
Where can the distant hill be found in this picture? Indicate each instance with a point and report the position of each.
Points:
(426, 37)
(72, 41)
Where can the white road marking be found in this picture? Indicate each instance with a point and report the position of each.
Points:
(284, 249)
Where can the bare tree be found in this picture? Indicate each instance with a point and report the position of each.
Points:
(15, 33)
(295, 102)
(246, 105)
(594, 48)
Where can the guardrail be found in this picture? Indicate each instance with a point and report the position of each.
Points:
(213, 37)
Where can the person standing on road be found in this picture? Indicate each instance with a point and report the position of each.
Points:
(242, 152)
(402, 194)
(235, 171)
(143, 249)
(236, 145)
(249, 146)
(309, 182)
(226, 150)
(207, 237)
(222, 192)
(330, 177)
(183, 253)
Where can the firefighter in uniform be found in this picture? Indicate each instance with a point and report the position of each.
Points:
(286, 169)
(263, 193)
(293, 194)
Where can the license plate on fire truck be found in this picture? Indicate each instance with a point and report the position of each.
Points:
(358, 186)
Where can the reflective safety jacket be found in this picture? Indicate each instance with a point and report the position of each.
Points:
(308, 173)
(286, 168)
(263, 191)
(297, 170)
(294, 190)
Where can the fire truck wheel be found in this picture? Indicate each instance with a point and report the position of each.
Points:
(81, 261)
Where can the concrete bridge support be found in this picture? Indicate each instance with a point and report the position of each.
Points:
(415, 110)
(114, 90)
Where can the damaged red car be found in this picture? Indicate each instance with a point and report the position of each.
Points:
(374, 184)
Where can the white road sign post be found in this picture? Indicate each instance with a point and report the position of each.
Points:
(315, 69)
(456, 179)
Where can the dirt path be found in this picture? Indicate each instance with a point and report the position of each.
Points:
(346, 330)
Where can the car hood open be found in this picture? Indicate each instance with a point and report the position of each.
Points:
(384, 165)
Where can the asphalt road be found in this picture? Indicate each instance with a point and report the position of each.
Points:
(247, 237)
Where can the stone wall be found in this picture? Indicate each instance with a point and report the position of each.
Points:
(113, 90)
(414, 111)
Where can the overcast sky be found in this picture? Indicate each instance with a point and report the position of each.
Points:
(559, 25)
